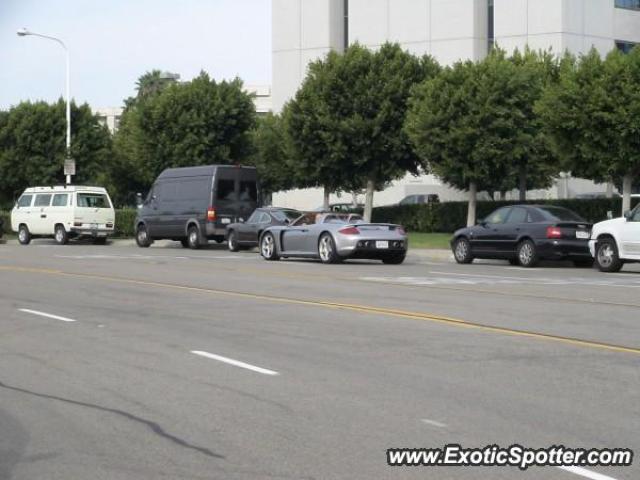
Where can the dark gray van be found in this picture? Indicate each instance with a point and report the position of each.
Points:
(195, 204)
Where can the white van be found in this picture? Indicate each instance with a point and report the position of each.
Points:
(62, 213)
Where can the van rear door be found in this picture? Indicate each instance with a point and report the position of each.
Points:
(93, 210)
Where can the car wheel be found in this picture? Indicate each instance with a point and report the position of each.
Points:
(60, 235)
(527, 254)
(327, 249)
(462, 250)
(193, 237)
(395, 259)
(607, 258)
(583, 263)
(232, 241)
(24, 236)
(142, 237)
(268, 247)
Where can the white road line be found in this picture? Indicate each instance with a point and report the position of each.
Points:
(433, 423)
(236, 363)
(48, 315)
(583, 472)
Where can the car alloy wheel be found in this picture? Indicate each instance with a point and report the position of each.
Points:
(462, 251)
(232, 242)
(607, 256)
(268, 247)
(527, 255)
(327, 249)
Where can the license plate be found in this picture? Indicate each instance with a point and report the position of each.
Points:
(225, 220)
(582, 235)
(380, 244)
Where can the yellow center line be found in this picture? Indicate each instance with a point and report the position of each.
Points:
(367, 309)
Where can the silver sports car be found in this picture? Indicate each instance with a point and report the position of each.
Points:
(333, 237)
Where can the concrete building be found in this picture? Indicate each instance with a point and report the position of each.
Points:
(449, 30)
(109, 117)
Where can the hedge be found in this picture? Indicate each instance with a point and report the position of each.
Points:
(449, 216)
(6, 216)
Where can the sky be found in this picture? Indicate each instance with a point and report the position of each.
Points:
(113, 42)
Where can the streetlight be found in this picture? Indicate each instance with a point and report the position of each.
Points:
(23, 33)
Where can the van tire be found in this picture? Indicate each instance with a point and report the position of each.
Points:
(24, 236)
(193, 237)
(142, 236)
(60, 235)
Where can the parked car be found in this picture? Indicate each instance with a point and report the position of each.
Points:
(62, 213)
(616, 242)
(420, 199)
(196, 204)
(333, 237)
(525, 234)
(245, 234)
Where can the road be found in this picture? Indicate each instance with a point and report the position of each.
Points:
(123, 363)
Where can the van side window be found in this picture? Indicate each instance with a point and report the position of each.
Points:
(60, 200)
(226, 190)
(42, 200)
(93, 200)
(248, 191)
(25, 201)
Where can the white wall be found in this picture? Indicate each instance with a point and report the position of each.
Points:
(303, 31)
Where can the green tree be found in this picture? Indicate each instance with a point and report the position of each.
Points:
(200, 122)
(534, 163)
(270, 155)
(593, 117)
(32, 146)
(467, 124)
(344, 125)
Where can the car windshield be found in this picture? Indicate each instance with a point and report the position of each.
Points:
(559, 213)
(284, 215)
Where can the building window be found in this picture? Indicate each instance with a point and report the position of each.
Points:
(625, 47)
(490, 26)
(630, 4)
(346, 24)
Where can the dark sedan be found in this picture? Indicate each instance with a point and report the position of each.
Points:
(246, 234)
(525, 234)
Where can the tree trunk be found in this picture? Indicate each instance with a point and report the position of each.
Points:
(626, 192)
(523, 182)
(609, 193)
(325, 202)
(471, 213)
(368, 200)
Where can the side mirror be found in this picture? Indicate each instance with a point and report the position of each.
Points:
(482, 222)
(609, 214)
(628, 214)
(139, 200)
(241, 220)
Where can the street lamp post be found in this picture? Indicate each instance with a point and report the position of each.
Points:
(24, 32)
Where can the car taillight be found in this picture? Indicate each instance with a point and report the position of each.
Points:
(77, 224)
(349, 231)
(401, 231)
(211, 214)
(554, 232)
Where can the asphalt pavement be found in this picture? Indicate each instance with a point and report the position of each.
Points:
(125, 363)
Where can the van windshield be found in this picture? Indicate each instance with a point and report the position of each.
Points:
(93, 200)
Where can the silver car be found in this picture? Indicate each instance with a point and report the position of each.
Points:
(333, 237)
